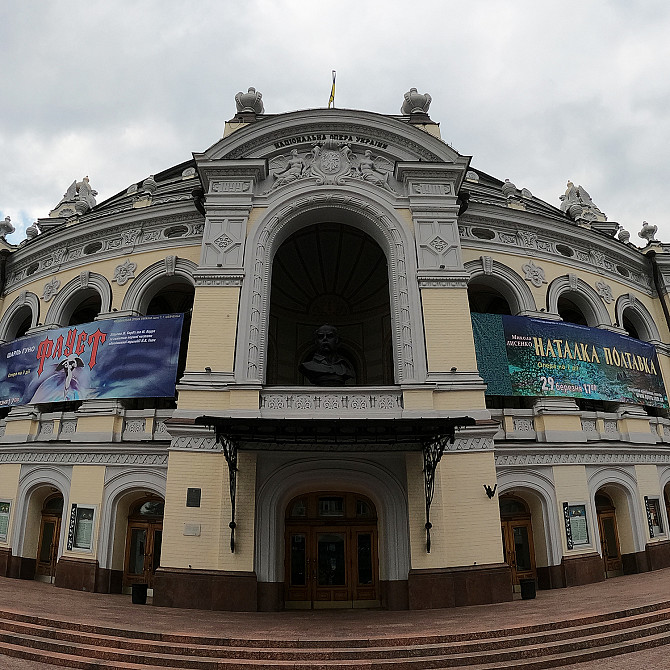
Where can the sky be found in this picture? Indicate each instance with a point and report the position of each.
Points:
(536, 92)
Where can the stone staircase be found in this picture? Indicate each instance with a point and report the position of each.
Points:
(547, 645)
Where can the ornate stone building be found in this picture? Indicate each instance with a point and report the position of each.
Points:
(384, 485)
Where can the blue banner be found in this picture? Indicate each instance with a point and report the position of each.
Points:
(533, 357)
(116, 358)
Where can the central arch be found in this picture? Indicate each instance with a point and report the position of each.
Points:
(359, 210)
(357, 475)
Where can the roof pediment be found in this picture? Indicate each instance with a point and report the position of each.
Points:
(390, 137)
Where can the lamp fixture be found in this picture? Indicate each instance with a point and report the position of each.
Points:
(208, 369)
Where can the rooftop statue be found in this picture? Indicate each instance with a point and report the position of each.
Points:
(78, 198)
(327, 367)
(577, 204)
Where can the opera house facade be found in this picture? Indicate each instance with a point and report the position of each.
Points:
(328, 362)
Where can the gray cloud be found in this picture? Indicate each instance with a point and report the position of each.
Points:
(535, 92)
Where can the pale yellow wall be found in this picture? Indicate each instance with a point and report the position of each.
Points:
(245, 512)
(213, 328)
(539, 533)
(256, 214)
(86, 488)
(105, 268)
(571, 487)
(9, 484)
(459, 399)
(449, 340)
(624, 522)
(466, 523)
(204, 400)
(206, 471)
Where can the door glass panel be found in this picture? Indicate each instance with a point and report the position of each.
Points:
(364, 558)
(138, 543)
(610, 537)
(522, 548)
(298, 564)
(331, 559)
(158, 542)
(48, 532)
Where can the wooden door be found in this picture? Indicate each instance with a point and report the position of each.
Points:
(330, 566)
(517, 537)
(47, 549)
(143, 550)
(609, 541)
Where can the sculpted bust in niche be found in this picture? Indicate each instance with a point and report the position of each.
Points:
(327, 367)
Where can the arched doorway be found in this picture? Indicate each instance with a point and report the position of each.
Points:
(517, 537)
(49, 537)
(331, 551)
(143, 541)
(609, 534)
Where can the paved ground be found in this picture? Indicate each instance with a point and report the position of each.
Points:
(118, 611)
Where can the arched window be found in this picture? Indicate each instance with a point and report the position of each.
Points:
(85, 308)
(486, 299)
(570, 311)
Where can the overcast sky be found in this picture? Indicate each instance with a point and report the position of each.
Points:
(536, 92)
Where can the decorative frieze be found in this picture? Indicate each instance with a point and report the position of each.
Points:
(595, 457)
(194, 443)
(335, 403)
(80, 458)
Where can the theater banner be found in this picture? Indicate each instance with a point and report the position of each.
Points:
(533, 357)
(115, 358)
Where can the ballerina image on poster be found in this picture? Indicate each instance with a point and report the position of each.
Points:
(70, 380)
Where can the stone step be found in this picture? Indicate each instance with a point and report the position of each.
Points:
(327, 652)
(530, 647)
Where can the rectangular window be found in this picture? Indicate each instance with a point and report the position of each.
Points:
(5, 506)
(83, 529)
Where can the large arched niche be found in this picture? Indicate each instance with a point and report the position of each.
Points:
(337, 274)
(330, 205)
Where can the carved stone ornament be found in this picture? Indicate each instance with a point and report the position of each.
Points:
(79, 198)
(648, 232)
(534, 274)
(604, 291)
(577, 204)
(509, 189)
(6, 227)
(487, 265)
(415, 102)
(50, 289)
(84, 278)
(331, 162)
(624, 236)
(124, 272)
(250, 102)
(170, 265)
(32, 231)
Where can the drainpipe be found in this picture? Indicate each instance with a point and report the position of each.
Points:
(656, 276)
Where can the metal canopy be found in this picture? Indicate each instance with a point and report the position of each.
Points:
(316, 431)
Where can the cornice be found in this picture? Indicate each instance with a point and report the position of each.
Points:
(591, 454)
(530, 238)
(77, 245)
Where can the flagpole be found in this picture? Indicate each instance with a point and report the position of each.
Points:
(331, 100)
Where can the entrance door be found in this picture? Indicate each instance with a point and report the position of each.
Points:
(143, 542)
(518, 548)
(331, 562)
(49, 538)
(609, 541)
(517, 538)
(143, 547)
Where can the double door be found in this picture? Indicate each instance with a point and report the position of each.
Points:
(517, 535)
(47, 549)
(143, 552)
(331, 566)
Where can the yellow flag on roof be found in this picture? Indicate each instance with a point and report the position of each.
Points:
(331, 100)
